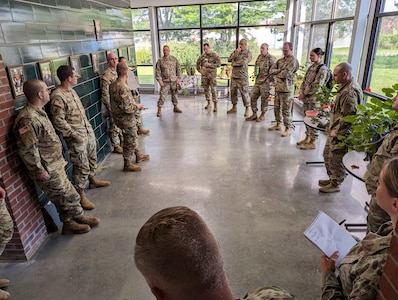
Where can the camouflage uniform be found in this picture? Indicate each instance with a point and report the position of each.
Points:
(69, 118)
(308, 87)
(115, 132)
(240, 76)
(361, 269)
(283, 71)
(261, 87)
(136, 96)
(387, 151)
(6, 226)
(41, 150)
(209, 80)
(348, 96)
(124, 108)
(268, 293)
(168, 70)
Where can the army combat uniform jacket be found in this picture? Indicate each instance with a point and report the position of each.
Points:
(107, 78)
(312, 78)
(213, 59)
(123, 104)
(284, 71)
(168, 69)
(240, 62)
(264, 63)
(361, 269)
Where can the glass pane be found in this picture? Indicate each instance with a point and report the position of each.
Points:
(389, 6)
(304, 10)
(341, 42)
(222, 41)
(262, 12)
(320, 37)
(323, 9)
(145, 75)
(346, 8)
(385, 62)
(143, 47)
(178, 17)
(302, 43)
(184, 45)
(225, 14)
(140, 18)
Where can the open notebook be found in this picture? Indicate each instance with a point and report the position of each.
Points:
(329, 236)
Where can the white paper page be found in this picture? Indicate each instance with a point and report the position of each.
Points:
(329, 236)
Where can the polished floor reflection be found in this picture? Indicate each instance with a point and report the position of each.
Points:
(252, 187)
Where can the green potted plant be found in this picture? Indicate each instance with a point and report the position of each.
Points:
(371, 124)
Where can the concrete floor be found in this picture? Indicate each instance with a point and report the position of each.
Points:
(251, 186)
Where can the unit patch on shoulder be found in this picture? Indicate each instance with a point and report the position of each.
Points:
(124, 95)
(58, 103)
(24, 130)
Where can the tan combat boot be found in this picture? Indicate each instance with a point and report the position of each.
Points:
(304, 141)
(95, 182)
(4, 295)
(261, 117)
(253, 117)
(4, 283)
(286, 132)
(141, 156)
(129, 167)
(72, 226)
(215, 107)
(142, 130)
(330, 188)
(233, 109)
(90, 221)
(118, 150)
(176, 109)
(323, 182)
(159, 113)
(308, 146)
(278, 126)
(208, 105)
(246, 114)
(84, 202)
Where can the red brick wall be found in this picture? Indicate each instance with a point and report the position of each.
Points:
(22, 200)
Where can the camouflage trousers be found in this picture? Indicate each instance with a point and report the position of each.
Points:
(310, 104)
(243, 86)
(260, 90)
(63, 194)
(376, 215)
(115, 133)
(164, 91)
(6, 226)
(130, 146)
(333, 157)
(209, 86)
(283, 104)
(83, 156)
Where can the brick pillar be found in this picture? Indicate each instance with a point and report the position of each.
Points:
(22, 201)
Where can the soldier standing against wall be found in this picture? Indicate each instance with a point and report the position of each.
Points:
(41, 151)
(168, 74)
(69, 118)
(348, 96)
(284, 71)
(207, 65)
(261, 87)
(240, 59)
(109, 76)
(6, 232)
(124, 108)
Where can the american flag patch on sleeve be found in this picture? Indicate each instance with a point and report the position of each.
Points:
(23, 130)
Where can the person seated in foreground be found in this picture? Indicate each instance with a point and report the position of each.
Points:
(361, 269)
(180, 259)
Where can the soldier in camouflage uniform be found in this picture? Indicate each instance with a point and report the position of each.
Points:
(387, 150)
(136, 94)
(69, 118)
(207, 65)
(261, 86)
(240, 59)
(41, 151)
(109, 76)
(6, 232)
(283, 71)
(313, 77)
(348, 96)
(124, 108)
(168, 74)
(361, 269)
(179, 257)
